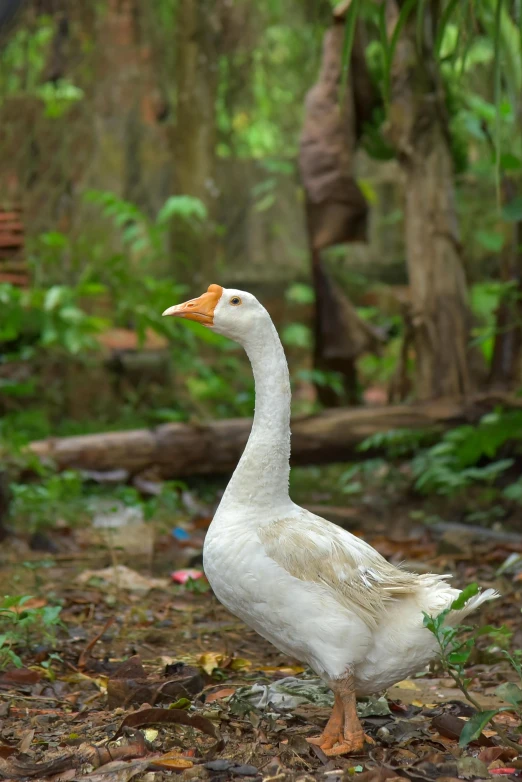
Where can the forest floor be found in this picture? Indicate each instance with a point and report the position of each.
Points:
(149, 679)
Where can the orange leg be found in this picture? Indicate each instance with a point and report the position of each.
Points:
(343, 734)
(330, 734)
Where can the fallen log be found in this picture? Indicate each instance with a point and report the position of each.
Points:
(179, 449)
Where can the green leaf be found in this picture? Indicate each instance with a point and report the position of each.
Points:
(297, 335)
(491, 240)
(474, 727)
(445, 17)
(513, 491)
(510, 692)
(459, 658)
(510, 163)
(470, 591)
(186, 207)
(298, 293)
(349, 35)
(55, 296)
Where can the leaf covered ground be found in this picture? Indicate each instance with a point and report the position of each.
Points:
(146, 678)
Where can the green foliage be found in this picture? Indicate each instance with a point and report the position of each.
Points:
(398, 442)
(297, 335)
(40, 504)
(144, 237)
(370, 475)
(22, 627)
(299, 293)
(22, 67)
(456, 646)
(262, 87)
(24, 58)
(322, 377)
(459, 458)
(53, 315)
(453, 464)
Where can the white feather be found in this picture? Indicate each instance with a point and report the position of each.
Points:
(315, 591)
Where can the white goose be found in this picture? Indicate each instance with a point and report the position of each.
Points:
(315, 591)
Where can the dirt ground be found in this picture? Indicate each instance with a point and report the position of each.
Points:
(151, 679)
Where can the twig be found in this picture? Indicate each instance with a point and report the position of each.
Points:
(84, 656)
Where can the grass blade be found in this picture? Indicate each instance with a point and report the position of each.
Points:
(349, 34)
(446, 16)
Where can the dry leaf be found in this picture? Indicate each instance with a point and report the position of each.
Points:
(210, 661)
(146, 717)
(407, 684)
(26, 741)
(172, 760)
(226, 692)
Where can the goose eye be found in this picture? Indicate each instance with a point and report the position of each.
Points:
(235, 300)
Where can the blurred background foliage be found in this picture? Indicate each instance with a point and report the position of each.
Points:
(148, 150)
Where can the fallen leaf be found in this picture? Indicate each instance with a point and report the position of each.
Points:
(26, 741)
(407, 684)
(135, 690)
(287, 670)
(146, 717)
(33, 602)
(472, 768)
(210, 661)
(172, 760)
(226, 692)
(379, 774)
(117, 771)
(84, 656)
(19, 676)
(490, 754)
(240, 664)
(451, 727)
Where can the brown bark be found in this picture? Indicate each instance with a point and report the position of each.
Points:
(507, 352)
(340, 337)
(194, 135)
(336, 210)
(177, 450)
(418, 129)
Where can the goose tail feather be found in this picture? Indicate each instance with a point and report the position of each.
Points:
(455, 617)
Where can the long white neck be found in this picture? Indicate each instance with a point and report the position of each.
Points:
(261, 477)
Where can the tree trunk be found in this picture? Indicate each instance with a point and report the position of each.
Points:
(340, 337)
(194, 135)
(336, 209)
(418, 129)
(177, 450)
(507, 350)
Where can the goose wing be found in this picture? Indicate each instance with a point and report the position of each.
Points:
(314, 550)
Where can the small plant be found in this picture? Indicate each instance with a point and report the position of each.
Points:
(398, 442)
(462, 457)
(22, 625)
(455, 647)
(453, 464)
(38, 505)
(198, 586)
(371, 472)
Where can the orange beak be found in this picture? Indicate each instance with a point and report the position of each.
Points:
(201, 309)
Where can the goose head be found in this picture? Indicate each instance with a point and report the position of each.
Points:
(233, 313)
